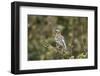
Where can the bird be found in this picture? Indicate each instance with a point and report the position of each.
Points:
(59, 39)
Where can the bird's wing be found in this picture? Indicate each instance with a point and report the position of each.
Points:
(64, 44)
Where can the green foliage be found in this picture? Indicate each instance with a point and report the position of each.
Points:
(41, 42)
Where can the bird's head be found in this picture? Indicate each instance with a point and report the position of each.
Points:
(58, 32)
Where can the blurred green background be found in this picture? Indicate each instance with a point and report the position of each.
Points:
(41, 32)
